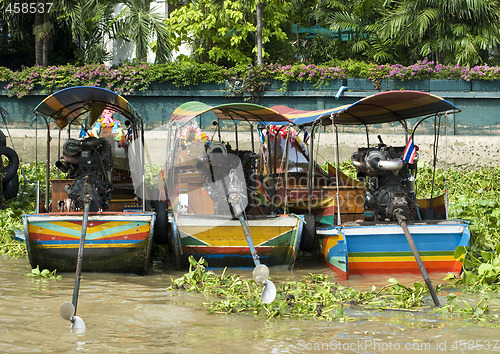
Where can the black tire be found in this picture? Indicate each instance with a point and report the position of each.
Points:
(11, 169)
(3, 139)
(11, 188)
(308, 234)
(161, 228)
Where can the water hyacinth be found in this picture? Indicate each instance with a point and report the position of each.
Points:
(315, 296)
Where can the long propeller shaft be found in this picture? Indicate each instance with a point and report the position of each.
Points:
(423, 271)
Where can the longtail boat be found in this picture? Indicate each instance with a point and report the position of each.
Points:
(374, 223)
(98, 200)
(210, 189)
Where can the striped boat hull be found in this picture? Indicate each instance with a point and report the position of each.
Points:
(115, 242)
(383, 248)
(222, 242)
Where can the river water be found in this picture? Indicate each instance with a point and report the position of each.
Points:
(128, 313)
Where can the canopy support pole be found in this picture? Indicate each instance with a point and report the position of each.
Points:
(337, 162)
(47, 168)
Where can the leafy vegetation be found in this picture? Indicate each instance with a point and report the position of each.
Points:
(225, 32)
(139, 76)
(45, 274)
(79, 30)
(238, 32)
(480, 273)
(11, 220)
(473, 196)
(11, 216)
(314, 296)
(455, 304)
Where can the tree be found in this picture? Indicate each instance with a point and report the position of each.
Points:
(358, 18)
(139, 23)
(450, 32)
(91, 21)
(225, 32)
(42, 30)
(16, 31)
(258, 19)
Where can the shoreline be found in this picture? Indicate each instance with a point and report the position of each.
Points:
(461, 152)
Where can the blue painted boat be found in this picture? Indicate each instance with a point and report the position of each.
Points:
(381, 248)
(358, 226)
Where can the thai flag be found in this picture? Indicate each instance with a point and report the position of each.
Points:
(410, 151)
(306, 136)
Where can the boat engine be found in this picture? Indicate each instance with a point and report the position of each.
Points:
(88, 162)
(389, 180)
(224, 180)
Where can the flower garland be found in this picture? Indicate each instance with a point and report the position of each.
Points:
(194, 133)
(275, 130)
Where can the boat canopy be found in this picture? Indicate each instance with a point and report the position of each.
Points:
(233, 111)
(71, 106)
(383, 107)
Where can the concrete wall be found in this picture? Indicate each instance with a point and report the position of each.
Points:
(469, 139)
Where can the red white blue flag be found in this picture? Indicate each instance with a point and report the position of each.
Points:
(306, 136)
(410, 151)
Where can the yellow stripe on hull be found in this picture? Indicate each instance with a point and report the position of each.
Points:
(92, 232)
(87, 245)
(233, 235)
(399, 259)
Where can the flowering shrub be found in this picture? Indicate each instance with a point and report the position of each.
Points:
(124, 79)
(483, 72)
(318, 75)
(127, 78)
(430, 70)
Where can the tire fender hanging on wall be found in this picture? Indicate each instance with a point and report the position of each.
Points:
(10, 170)
(11, 188)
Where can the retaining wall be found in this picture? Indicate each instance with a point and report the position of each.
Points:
(473, 134)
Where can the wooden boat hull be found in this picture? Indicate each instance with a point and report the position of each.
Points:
(222, 242)
(378, 248)
(115, 242)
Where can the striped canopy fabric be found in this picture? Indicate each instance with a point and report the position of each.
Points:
(83, 105)
(233, 111)
(379, 108)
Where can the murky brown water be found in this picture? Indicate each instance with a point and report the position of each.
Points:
(126, 313)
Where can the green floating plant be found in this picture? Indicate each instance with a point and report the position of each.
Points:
(46, 274)
(454, 304)
(314, 296)
(479, 273)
